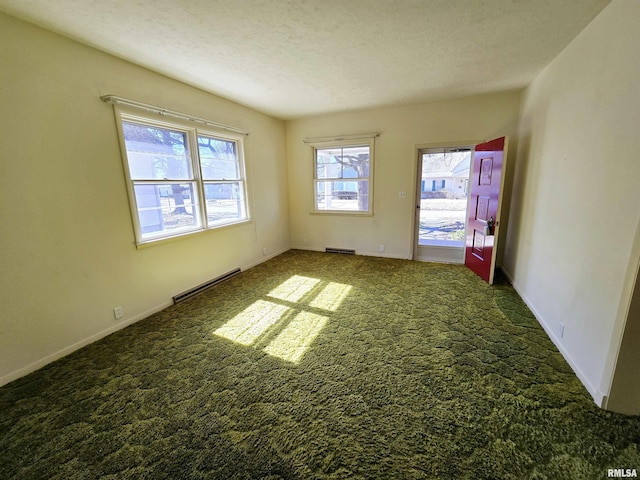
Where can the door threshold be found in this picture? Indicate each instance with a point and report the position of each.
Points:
(450, 261)
(441, 243)
(441, 254)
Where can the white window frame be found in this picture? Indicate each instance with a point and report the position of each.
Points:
(368, 141)
(124, 114)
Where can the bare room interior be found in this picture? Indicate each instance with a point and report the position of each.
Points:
(171, 169)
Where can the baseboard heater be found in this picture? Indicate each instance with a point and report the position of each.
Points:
(181, 297)
(343, 251)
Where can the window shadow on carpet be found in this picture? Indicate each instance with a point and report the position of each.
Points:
(290, 317)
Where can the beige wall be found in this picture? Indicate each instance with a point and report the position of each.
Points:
(67, 245)
(401, 129)
(575, 204)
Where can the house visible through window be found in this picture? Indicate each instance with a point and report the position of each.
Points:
(342, 177)
(181, 180)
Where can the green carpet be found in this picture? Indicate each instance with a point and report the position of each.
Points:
(319, 366)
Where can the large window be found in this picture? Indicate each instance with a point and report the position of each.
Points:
(342, 177)
(181, 180)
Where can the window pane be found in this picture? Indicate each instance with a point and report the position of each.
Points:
(218, 159)
(225, 202)
(357, 158)
(329, 170)
(348, 162)
(327, 155)
(166, 208)
(156, 153)
(342, 195)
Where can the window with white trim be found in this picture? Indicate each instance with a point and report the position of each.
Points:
(181, 179)
(343, 177)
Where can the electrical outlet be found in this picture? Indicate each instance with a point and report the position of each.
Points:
(118, 313)
(264, 251)
(381, 248)
(402, 194)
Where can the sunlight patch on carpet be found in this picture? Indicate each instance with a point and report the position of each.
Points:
(294, 297)
(293, 289)
(252, 323)
(292, 343)
(331, 296)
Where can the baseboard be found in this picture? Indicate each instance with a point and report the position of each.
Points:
(358, 252)
(306, 248)
(599, 398)
(264, 259)
(78, 345)
(382, 255)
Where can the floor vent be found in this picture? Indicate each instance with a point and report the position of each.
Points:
(343, 251)
(181, 297)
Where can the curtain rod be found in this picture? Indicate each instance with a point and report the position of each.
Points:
(116, 100)
(341, 137)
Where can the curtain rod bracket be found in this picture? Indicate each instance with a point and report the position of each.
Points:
(340, 138)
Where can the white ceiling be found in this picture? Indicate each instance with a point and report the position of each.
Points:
(295, 58)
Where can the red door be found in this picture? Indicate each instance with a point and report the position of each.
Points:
(485, 195)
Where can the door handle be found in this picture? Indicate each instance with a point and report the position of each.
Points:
(488, 229)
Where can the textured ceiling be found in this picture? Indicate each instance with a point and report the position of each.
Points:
(294, 58)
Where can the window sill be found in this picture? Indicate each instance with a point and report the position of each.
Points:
(181, 236)
(348, 213)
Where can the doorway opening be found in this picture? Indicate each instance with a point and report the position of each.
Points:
(441, 213)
